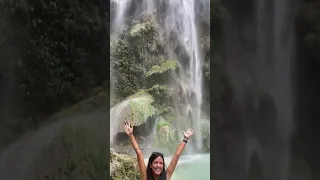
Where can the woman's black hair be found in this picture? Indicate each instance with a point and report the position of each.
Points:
(163, 175)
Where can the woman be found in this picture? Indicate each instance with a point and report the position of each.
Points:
(156, 166)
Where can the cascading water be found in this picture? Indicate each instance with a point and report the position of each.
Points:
(266, 82)
(177, 23)
(280, 88)
(281, 44)
(178, 18)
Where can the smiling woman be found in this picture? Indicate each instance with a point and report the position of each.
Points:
(156, 164)
(156, 169)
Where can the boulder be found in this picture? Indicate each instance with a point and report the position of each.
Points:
(123, 167)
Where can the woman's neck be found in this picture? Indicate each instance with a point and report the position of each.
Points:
(156, 177)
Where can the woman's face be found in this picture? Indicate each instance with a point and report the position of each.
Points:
(157, 166)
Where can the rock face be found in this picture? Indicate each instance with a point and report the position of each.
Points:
(123, 167)
(70, 148)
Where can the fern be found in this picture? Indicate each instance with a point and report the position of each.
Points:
(136, 108)
(141, 108)
(166, 66)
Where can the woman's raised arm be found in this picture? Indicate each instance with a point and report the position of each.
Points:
(178, 152)
(142, 166)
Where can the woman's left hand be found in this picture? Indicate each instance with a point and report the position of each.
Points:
(188, 133)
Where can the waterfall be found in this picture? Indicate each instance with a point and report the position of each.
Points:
(177, 18)
(261, 75)
(281, 44)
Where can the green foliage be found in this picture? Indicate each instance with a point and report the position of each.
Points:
(123, 167)
(137, 108)
(141, 93)
(166, 66)
(137, 49)
(158, 79)
(162, 124)
(141, 108)
(158, 89)
(147, 27)
(162, 97)
(57, 51)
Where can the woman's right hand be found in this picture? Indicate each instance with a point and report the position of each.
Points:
(128, 128)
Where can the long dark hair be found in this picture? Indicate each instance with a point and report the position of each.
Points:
(163, 175)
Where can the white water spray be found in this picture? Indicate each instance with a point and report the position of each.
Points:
(179, 19)
(122, 111)
(281, 39)
(266, 79)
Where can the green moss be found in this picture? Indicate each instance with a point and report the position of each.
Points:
(141, 107)
(162, 124)
(138, 29)
(78, 152)
(123, 167)
(137, 48)
(205, 43)
(141, 93)
(158, 88)
(166, 66)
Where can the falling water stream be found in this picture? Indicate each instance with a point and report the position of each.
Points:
(179, 18)
(262, 80)
(280, 87)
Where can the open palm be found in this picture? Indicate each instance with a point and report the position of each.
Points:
(187, 134)
(128, 128)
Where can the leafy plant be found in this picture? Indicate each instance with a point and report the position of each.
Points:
(166, 66)
(55, 50)
(137, 108)
(141, 108)
(137, 48)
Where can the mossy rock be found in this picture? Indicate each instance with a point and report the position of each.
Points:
(78, 152)
(136, 108)
(123, 167)
(205, 43)
(139, 29)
